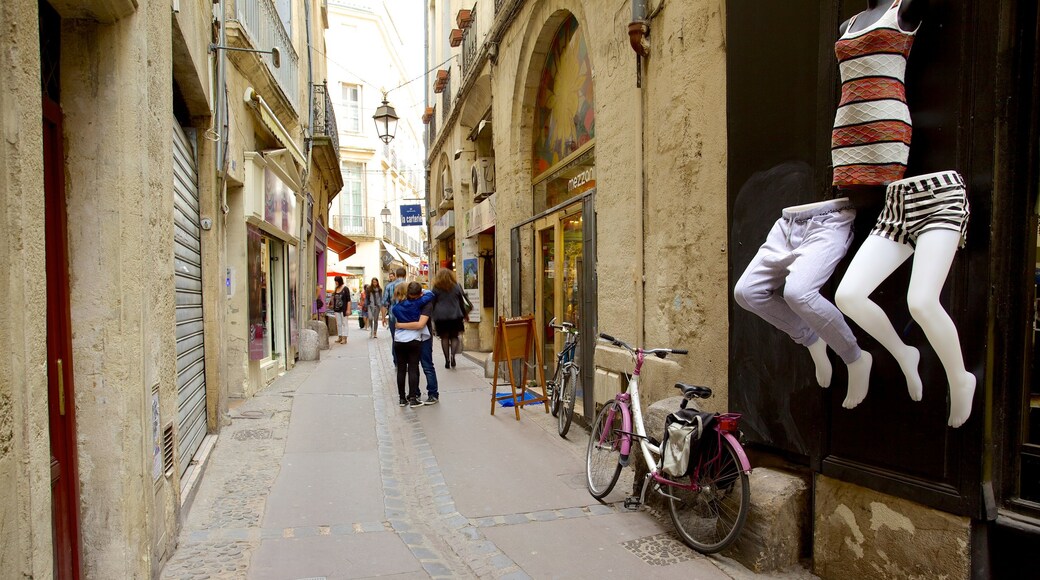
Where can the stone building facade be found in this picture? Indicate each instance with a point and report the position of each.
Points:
(606, 212)
(114, 263)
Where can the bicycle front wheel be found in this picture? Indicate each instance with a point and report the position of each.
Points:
(565, 402)
(603, 458)
(710, 518)
(554, 397)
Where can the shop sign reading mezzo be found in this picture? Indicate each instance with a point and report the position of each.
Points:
(582, 179)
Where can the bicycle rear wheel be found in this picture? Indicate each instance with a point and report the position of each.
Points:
(565, 401)
(554, 396)
(711, 518)
(603, 459)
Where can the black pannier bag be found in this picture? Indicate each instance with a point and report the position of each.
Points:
(682, 434)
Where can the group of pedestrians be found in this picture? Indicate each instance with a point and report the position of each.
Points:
(413, 316)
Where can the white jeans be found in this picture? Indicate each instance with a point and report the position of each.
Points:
(341, 324)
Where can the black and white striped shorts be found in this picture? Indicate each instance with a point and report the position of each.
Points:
(937, 201)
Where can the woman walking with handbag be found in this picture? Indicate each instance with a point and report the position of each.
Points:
(448, 312)
(341, 305)
(373, 304)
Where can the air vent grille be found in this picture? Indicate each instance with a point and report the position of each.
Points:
(168, 449)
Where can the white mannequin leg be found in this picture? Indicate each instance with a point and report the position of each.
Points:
(818, 352)
(875, 261)
(935, 252)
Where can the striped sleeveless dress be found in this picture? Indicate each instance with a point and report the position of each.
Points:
(870, 142)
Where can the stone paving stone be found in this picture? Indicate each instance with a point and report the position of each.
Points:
(438, 570)
(423, 554)
(471, 533)
(412, 539)
(515, 576)
(600, 510)
(485, 548)
(516, 519)
(571, 513)
(543, 516)
(501, 561)
(485, 522)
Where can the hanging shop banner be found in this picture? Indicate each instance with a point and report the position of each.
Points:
(411, 215)
(470, 281)
(257, 297)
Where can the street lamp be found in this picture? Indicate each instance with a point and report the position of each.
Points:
(385, 215)
(386, 122)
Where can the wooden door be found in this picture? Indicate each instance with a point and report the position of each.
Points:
(60, 401)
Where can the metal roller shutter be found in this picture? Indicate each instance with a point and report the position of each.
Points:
(187, 248)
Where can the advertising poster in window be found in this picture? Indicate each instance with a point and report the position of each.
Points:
(469, 280)
(294, 325)
(279, 203)
(257, 289)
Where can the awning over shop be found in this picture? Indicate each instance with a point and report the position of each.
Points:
(411, 261)
(342, 245)
(390, 249)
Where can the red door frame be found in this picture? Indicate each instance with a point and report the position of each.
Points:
(60, 400)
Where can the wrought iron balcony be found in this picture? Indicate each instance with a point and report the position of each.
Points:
(264, 27)
(325, 116)
(446, 97)
(356, 226)
(470, 44)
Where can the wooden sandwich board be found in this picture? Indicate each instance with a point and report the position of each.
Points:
(516, 339)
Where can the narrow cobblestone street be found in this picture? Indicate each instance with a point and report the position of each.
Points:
(321, 475)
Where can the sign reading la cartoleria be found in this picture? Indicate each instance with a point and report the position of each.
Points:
(480, 217)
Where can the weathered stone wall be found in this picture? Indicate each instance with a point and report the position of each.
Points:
(118, 105)
(25, 532)
(860, 533)
(661, 255)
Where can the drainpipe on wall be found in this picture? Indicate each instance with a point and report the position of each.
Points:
(639, 29)
(302, 264)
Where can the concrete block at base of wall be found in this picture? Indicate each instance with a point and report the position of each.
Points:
(323, 333)
(309, 345)
(777, 527)
(862, 533)
(330, 323)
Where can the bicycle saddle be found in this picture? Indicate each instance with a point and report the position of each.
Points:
(693, 391)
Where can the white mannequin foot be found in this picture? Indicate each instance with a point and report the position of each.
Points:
(908, 360)
(859, 380)
(818, 351)
(961, 394)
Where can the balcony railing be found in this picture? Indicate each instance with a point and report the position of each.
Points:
(470, 45)
(433, 127)
(266, 31)
(325, 116)
(446, 97)
(354, 225)
(399, 238)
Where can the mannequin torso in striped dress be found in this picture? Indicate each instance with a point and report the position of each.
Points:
(870, 142)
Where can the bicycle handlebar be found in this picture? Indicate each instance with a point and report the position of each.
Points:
(660, 352)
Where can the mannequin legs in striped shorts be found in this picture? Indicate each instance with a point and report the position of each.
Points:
(925, 217)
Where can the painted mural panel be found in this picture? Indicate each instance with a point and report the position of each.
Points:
(564, 107)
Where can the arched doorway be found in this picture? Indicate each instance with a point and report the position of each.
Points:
(560, 272)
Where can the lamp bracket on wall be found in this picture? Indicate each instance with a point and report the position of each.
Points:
(276, 55)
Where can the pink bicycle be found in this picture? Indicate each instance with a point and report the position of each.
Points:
(710, 503)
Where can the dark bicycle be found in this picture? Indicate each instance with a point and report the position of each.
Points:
(564, 383)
